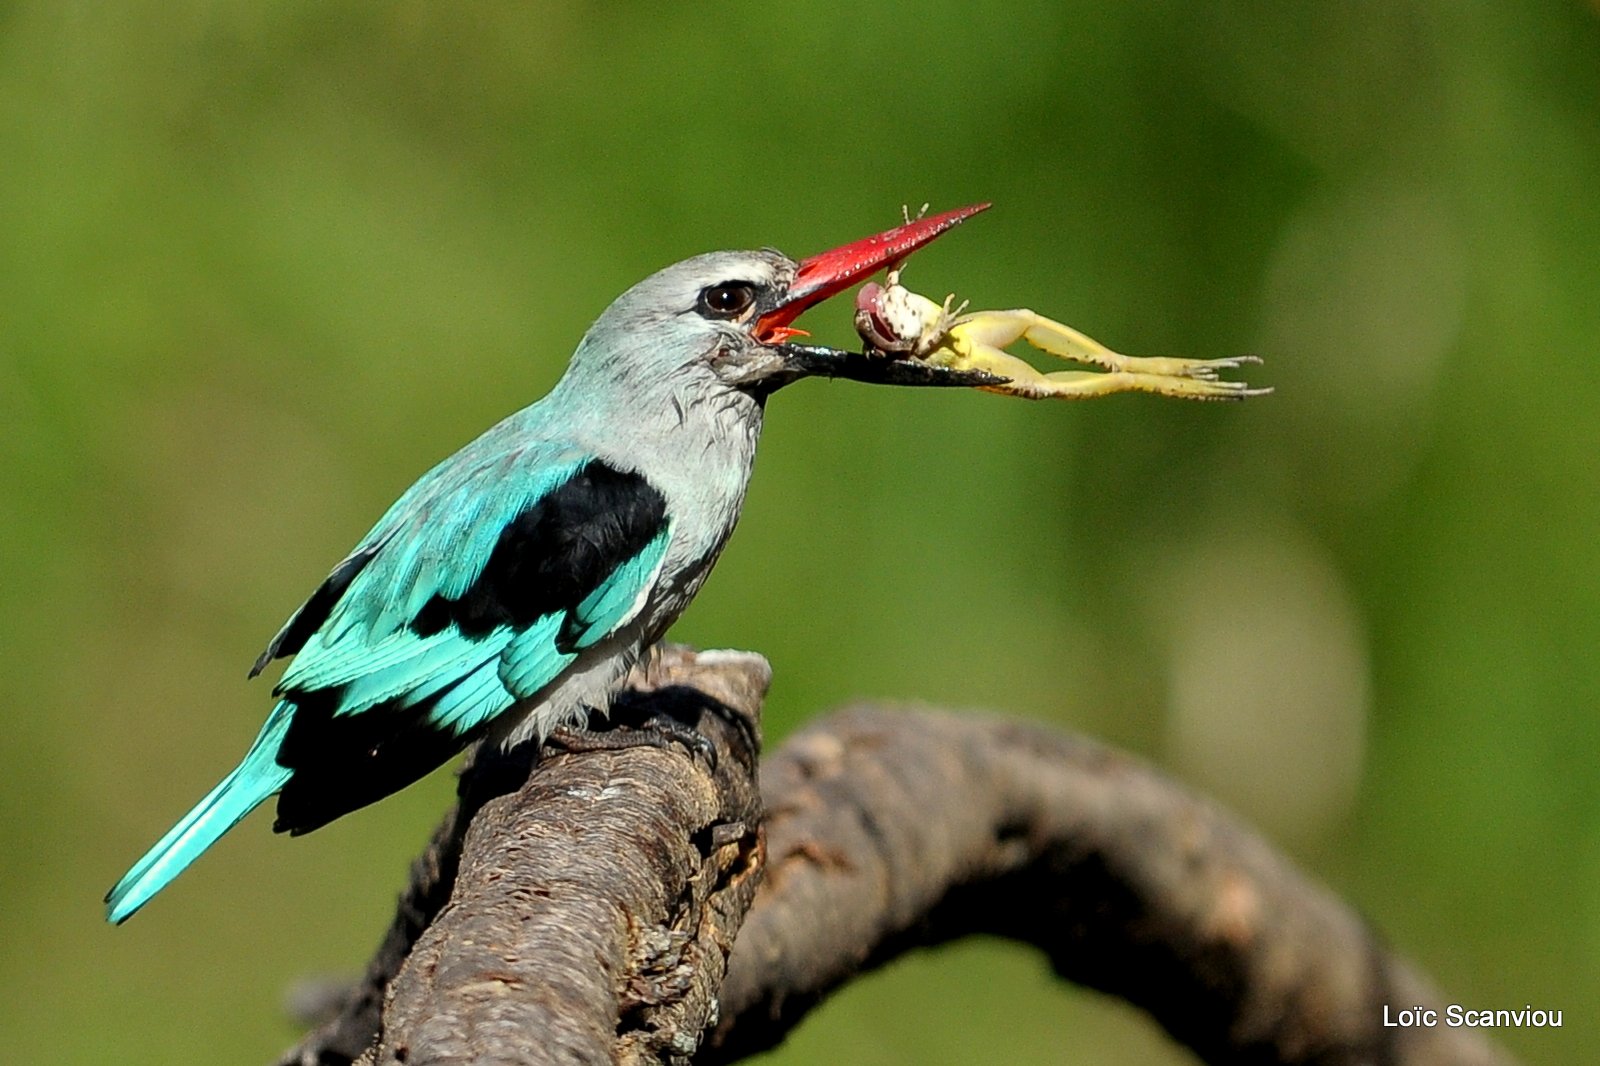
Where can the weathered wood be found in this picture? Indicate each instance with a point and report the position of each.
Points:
(890, 830)
(592, 904)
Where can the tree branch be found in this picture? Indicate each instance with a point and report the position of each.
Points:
(596, 900)
(582, 912)
(893, 830)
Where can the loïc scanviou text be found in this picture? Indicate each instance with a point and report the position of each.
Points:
(1456, 1016)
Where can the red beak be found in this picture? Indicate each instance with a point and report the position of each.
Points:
(830, 273)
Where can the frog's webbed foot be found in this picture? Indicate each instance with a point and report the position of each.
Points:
(975, 342)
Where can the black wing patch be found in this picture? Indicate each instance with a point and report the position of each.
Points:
(344, 762)
(548, 558)
(556, 552)
(309, 618)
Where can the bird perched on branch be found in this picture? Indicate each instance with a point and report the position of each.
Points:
(510, 589)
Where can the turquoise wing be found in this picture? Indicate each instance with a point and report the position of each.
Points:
(489, 577)
(475, 593)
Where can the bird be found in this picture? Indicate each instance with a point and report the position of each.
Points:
(508, 592)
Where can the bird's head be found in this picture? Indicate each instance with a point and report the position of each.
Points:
(724, 320)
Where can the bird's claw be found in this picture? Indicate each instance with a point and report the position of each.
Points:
(658, 731)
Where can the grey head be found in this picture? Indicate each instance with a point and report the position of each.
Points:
(717, 327)
(704, 326)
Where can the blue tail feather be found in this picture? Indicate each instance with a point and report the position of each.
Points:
(252, 781)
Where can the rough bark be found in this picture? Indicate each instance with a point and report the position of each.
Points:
(581, 912)
(595, 903)
(892, 830)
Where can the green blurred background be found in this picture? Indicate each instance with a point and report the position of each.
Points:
(264, 264)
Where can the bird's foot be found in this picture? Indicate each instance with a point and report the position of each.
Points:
(657, 731)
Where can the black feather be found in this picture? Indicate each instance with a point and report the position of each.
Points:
(342, 762)
(309, 618)
(546, 560)
(554, 553)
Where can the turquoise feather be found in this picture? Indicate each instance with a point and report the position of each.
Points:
(435, 542)
(447, 659)
(256, 777)
(604, 608)
(469, 680)
(472, 701)
(533, 658)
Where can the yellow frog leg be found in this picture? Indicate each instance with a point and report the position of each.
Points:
(976, 340)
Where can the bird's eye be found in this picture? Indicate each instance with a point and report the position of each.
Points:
(727, 301)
